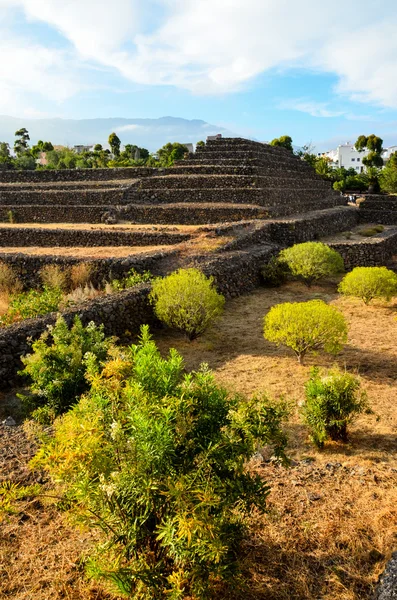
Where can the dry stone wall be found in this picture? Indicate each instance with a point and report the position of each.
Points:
(369, 252)
(24, 236)
(75, 175)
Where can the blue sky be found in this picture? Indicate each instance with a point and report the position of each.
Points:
(261, 68)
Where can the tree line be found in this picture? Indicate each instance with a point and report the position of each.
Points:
(26, 157)
(377, 177)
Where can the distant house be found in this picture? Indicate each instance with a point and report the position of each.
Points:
(189, 146)
(79, 149)
(218, 136)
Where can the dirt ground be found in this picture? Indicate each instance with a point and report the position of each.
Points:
(103, 226)
(90, 252)
(332, 518)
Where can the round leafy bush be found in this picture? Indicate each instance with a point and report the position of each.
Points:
(187, 300)
(156, 459)
(306, 326)
(333, 400)
(368, 283)
(312, 261)
(275, 272)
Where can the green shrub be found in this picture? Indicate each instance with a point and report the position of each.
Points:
(187, 300)
(156, 460)
(312, 261)
(368, 283)
(275, 272)
(56, 368)
(132, 279)
(371, 231)
(34, 303)
(306, 326)
(333, 400)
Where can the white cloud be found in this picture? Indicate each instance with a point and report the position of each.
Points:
(219, 46)
(315, 109)
(128, 128)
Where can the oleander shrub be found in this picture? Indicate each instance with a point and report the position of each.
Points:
(333, 400)
(56, 366)
(275, 272)
(54, 276)
(132, 279)
(9, 281)
(34, 303)
(156, 459)
(80, 275)
(312, 261)
(368, 283)
(306, 327)
(187, 300)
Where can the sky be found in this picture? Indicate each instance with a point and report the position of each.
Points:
(320, 72)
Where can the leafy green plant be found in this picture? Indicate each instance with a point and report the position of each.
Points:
(56, 367)
(157, 460)
(33, 303)
(306, 326)
(312, 261)
(11, 493)
(275, 272)
(333, 400)
(187, 300)
(132, 279)
(10, 216)
(368, 283)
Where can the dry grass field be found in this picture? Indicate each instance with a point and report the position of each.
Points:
(86, 252)
(332, 518)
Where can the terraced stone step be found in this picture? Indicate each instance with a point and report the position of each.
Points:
(258, 196)
(71, 197)
(189, 181)
(68, 185)
(33, 236)
(53, 213)
(257, 161)
(198, 214)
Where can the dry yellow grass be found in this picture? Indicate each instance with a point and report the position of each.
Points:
(93, 252)
(332, 519)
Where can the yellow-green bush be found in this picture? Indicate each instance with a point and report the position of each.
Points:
(368, 283)
(312, 261)
(306, 326)
(333, 399)
(187, 300)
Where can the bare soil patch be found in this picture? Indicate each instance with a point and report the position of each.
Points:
(332, 519)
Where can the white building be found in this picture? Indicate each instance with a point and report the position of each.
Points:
(348, 157)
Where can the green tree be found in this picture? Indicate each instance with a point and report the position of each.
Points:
(374, 145)
(306, 326)
(368, 283)
(41, 147)
(25, 162)
(21, 144)
(285, 141)
(333, 400)
(6, 161)
(187, 300)
(312, 261)
(56, 368)
(114, 143)
(388, 176)
(171, 153)
(98, 148)
(155, 459)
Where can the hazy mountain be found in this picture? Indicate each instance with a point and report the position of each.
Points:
(149, 133)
